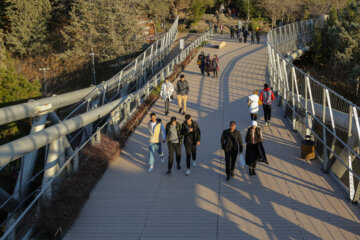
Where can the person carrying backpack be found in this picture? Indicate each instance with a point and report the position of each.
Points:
(215, 65)
(267, 97)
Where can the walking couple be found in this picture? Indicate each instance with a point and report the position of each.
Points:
(231, 143)
(174, 133)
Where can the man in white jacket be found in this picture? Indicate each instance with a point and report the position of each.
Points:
(166, 92)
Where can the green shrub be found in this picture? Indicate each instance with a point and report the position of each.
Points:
(14, 87)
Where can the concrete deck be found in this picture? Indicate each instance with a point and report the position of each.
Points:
(287, 199)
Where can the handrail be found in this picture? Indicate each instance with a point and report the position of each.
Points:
(115, 117)
(312, 105)
(151, 56)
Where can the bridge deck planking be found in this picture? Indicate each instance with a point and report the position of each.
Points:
(287, 199)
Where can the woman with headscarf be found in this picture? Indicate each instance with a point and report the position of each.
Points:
(254, 148)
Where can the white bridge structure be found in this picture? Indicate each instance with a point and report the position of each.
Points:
(329, 119)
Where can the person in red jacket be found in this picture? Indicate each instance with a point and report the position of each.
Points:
(267, 97)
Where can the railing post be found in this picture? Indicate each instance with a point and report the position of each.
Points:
(76, 160)
(357, 191)
(325, 151)
(306, 110)
(293, 79)
(351, 177)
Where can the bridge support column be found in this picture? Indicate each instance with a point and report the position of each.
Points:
(51, 167)
(28, 162)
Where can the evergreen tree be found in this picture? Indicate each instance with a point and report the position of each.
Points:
(28, 25)
(198, 9)
(109, 28)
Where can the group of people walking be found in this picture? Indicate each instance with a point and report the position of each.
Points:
(175, 134)
(208, 64)
(188, 133)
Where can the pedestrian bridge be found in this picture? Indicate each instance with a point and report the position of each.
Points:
(287, 199)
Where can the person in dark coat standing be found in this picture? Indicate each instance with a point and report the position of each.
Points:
(174, 141)
(252, 36)
(231, 143)
(245, 35)
(208, 67)
(191, 132)
(201, 62)
(215, 65)
(254, 148)
(232, 31)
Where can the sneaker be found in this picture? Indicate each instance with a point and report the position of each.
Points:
(187, 172)
(180, 110)
(268, 123)
(151, 168)
(162, 159)
(194, 163)
(168, 172)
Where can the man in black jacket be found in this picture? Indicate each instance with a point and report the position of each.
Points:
(174, 141)
(231, 143)
(191, 132)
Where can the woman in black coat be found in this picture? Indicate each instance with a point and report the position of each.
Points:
(254, 147)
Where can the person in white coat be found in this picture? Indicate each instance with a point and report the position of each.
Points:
(166, 93)
(253, 104)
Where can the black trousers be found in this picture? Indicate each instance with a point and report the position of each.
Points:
(267, 112)
(230, 160)
(232, 35)
(253, 116)
(190, 150)
(252, 165)
(167, 103)
(174, 148)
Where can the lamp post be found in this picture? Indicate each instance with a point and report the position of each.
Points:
(93, 75)
(44, 70)
(44, 85)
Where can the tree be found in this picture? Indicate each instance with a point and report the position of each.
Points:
(14, 87)
(198, 8)
(28, 25)
(109, 28)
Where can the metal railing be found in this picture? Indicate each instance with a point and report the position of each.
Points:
(110, 118)
(143, 66)
(314, 109)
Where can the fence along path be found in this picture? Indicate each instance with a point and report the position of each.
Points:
(287, 199)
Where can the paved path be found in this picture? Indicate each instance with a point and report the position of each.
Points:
(287, 199)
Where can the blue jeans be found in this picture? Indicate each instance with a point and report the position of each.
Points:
(152, 148)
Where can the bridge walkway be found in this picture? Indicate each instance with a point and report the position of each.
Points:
(287, 199)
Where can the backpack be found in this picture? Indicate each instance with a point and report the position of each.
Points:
(267, 97)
